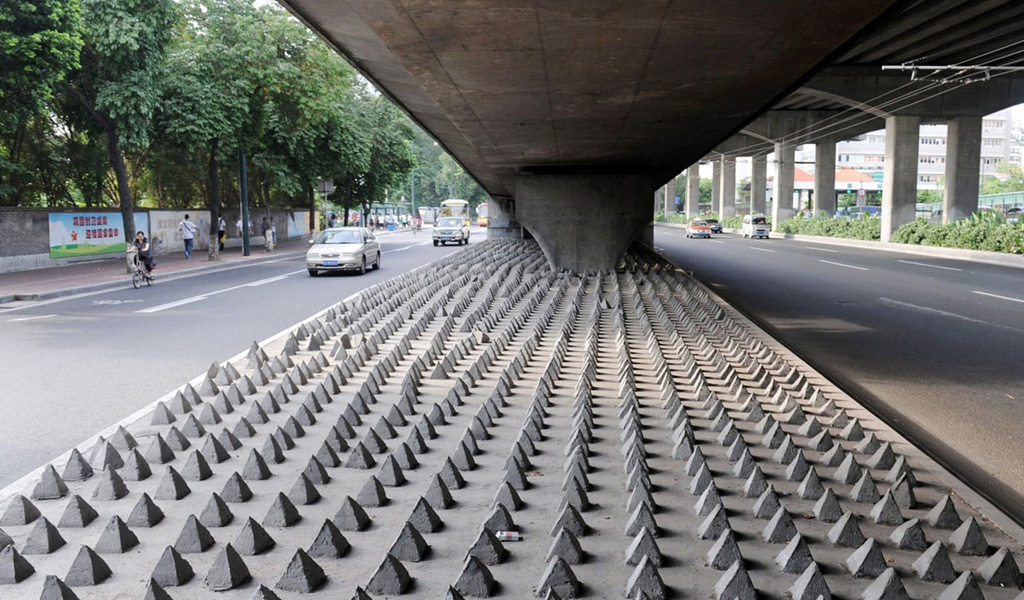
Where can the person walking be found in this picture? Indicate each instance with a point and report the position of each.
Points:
(188, 235)
(222, 232)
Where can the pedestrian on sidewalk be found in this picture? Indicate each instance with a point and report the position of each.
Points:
(222, 232)
(188, 235)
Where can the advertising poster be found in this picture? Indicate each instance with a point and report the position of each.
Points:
(85, 234)
(163, 224)
(298, 224)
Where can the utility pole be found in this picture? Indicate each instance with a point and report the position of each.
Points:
(243, 187)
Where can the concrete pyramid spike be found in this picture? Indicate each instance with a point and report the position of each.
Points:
(886, 512)
(351, 516)
(725, 552)
(798, 467)
(172, 569)
(426, 428)
(909, 536)
(964, 588)
(196, 467)
(903, 492)
(282, 513)
(391, 578)
(337, 439)
(566, 547)
(822, 442)
(767, 504)
(1001, 569)
(559, 578)
(969, 539)
(243, 428)
(424, 518)
(438, 494)
(108, 457)
(528, 446)
(264, 593)
(707, 501)
(643, 545)
(577, 496)
(774, 437)
(410, 545)
(869, 445)
(943, 515)
(405, 457)
(135, 468)
(55, 589)
(737, 449)
(488, 549)
(303, 491)
(811, 488)
(315, 471)
(867, 561)
(852, 431)
(827, 508)
(228, 571)
(162, 415)
(883, 458)
(795, 557)
(865, 490)
(701, 480)
(934, 564)
(436, 416)
(712, 526)
(645, 581)
(899, 468)
(77, 513)
(253, 539)
(780, 529)
(385, 429)
(43, 539)
(194, 537)
(735, 584)
(13, 566)
(499, 519)
(849, 472)
(180, 404)
(756, 484)
(463, 456)
(360, 458)
(146, 513)
(228, 440)
(302, 574)
(329, 542)
(810, 429)
(846, 532)
(372, 494)
(351, 418)
(77, 468)
(834, 457)
(810, 585)
(117, 538)
(110, 487)
(451, 475)
(216, 513)
(256, 468)
(50, 486)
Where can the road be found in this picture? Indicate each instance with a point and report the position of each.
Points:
(74, 366)
(933, 346)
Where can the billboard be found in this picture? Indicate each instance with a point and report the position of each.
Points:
(164, 225)
(298, 224)
(90, 233)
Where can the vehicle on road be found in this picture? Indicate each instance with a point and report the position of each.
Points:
(343, 249)
(455, 208)
(141, 273)
(755, 226)
(698, 228)
(714, 225)
(481, 214)
(451, 229)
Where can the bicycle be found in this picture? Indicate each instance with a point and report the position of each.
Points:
(140, 273)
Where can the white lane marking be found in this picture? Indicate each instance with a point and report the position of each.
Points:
(761, 249)
(716, 241)
(171, 305)
(264, 281)
(919, 264)
(1011, 299)
(822, 249)
(943, 313)
(828, 262)
(185, 301)
(22, 319)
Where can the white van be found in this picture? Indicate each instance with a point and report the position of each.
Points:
(755, 226)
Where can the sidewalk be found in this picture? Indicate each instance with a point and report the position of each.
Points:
(43, 284)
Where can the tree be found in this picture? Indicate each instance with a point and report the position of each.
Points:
(1010, 179)
(387, 149)
(706, 194)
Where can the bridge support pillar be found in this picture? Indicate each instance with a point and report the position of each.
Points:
(825, 178)
(716, 183)
(585, 221)
(758, 184)
(725, 196)
(501, 219)
(782, 195)
(692, 190)
(899, 188)
(963, 168)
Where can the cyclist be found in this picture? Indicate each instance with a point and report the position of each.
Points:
(144, 251)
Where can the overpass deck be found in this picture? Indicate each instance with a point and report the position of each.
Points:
(640, 437)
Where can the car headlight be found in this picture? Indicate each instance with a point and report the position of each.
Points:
(312, 256)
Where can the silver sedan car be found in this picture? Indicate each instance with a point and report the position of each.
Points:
(343, 248)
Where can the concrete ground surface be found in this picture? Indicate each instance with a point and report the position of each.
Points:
(932, 345)
(642, 438)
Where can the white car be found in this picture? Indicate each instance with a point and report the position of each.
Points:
(451, 229)
(755, 226)
(343, 248)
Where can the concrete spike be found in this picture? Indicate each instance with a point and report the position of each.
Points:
(146, 513)
(886, 512)
(811, 488)
(943, 515)
(499, 519)
(372, 494)
(834, 457)
(780, 529)
(1001, 569)
(756, 484)
(934, 564)
(909, 536)
(282, 513)
(216, 513)
(903, 492)
(883, 458)
(351, 516)
(643, 545)
(646, 581)
(410, 545)
(712, 526)
(571, 519)
(228, 571)
(77, 513)
(77, 468)
(13, 567)
(867, 561)
(438, 493)
(196, 468)
(303, 491)
(360, 458)
(566, 547)
(827, 508)
(810, 585)
(390, 578)
(488, 549)
(194, 537)
(964, 588)
(424, 518)
(767, 504)
(253, 539)
(735, 584)
(798, 467)
(724, 552)
(969, 539)
(822, 442)
(50, 486)
(256, 468)
(849, 472)
(869, 445)
(302, 574)
(707, 501)
(315, 471)
(451, 475)
(43, 539)
(846, 532)
(559, 578)
(795, 557)
(117, 538)
(55, 589)
(899, 468)
(172, 569)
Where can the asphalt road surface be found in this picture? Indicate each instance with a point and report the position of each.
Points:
(72, 367)
(933, 346)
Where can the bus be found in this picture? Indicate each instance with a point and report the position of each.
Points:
(481, 214)
(455, 208)
(428, 214)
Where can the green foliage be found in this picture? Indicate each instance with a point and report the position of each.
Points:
(929, 196)
(734, 222)
(1010, 179)
(981, 231)
(865, 228)
(705, 191)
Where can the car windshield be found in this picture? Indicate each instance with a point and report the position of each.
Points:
(699, 223)
(345, 236)
(758, 220)
(712, 221)
(450, 222)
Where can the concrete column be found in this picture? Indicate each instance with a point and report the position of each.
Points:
(716, 184)
(692, 190)
(584, 222)
(759, 185)
(963, 168)
(782, 203)
(669, 206)
(501, 219)
(825, 178)
(899, 188)
(726, 200)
